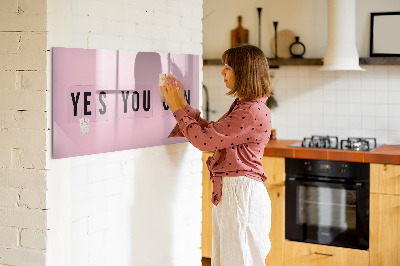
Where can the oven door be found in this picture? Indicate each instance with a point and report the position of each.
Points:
(327, 213)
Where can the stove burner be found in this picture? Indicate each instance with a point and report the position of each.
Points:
(332, 142)
(328, 142)
(358, 144)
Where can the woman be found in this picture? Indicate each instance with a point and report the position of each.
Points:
(242, 208)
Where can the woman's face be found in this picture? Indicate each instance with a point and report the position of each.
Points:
(229, 76)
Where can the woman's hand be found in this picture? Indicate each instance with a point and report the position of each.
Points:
(173, 93)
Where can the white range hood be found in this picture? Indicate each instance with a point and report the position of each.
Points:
(341, 51)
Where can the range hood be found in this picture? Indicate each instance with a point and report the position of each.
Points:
(341, 51)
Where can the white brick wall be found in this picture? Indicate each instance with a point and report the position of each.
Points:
(23, 128)
(135, 207)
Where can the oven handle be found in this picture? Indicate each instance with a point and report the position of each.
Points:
(357, 185)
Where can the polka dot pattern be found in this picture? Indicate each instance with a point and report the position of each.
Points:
(238, 139)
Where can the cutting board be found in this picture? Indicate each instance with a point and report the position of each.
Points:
(239, 35)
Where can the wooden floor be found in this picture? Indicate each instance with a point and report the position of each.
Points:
(206, 261)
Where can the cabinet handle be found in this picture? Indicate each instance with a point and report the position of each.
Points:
(325, 254)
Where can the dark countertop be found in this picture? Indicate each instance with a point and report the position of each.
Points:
(389, 154)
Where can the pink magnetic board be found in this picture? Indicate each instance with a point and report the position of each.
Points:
(109, 100)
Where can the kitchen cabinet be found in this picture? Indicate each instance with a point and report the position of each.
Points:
(305, 254)
(274, 168)
(385, 178)
(385, 214)
(206, 225)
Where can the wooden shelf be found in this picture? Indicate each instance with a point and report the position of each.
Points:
(273, 63)
(380, 61)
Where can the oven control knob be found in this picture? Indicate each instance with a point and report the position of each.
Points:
(308, 166)
(343, 168)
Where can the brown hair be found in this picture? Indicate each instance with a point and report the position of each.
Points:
(250, 66)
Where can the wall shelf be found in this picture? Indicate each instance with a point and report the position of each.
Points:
(274, 63)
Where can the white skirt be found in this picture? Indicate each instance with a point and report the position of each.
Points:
(241, 223)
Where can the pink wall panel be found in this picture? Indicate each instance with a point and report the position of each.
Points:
(105, 100)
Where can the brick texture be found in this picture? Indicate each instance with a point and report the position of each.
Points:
(23, 126)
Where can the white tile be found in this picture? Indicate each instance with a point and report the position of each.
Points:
(355, 109)
(303, 82)
(355, 122)
(381, 97)
(328, 74)
(279, 72)
(329, 95)
(394, 137)
(342, 81)
(317, 95)
(342, 96)
(394, 110)
(394, 97)
(394, 83)
(317, 120)
(381, 123)
(381, 110)
(317, 131)
(367, 83)
(355, 96)
(367, 133)
(367, 110)
(316, 82)
(394, 70)
(304, 72)
(342, 122)
(354, 83)
(394, 123)
(329, 122)
(355, 132)
(381, 71)
(292, 83)
(329, 109)
(342, 133)
(291, 71)
(381, 84)
(382, 136)
(369, 70)
(317, 107)
(316, 72)
(368, 122)
(367, 96)
(342, 109)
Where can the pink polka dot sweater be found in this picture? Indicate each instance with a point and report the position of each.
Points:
(238, 139)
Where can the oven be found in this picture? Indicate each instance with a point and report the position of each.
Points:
(327, 202)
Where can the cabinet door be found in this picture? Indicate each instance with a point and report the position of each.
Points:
(304, 254)
(385, 178)
(277, 233)
(384, 230)
(274, 168)
(206, 232)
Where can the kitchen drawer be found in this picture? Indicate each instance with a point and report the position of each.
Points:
(305, 254)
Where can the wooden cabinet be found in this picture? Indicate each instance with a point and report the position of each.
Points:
(277, 233)
(385, 178)
(274, 168)
(206, 226)
(304, 254)
(385, 215)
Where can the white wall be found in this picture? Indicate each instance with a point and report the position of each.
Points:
(311, 102)
(304, 18)
(135, 207)
(23, 133)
